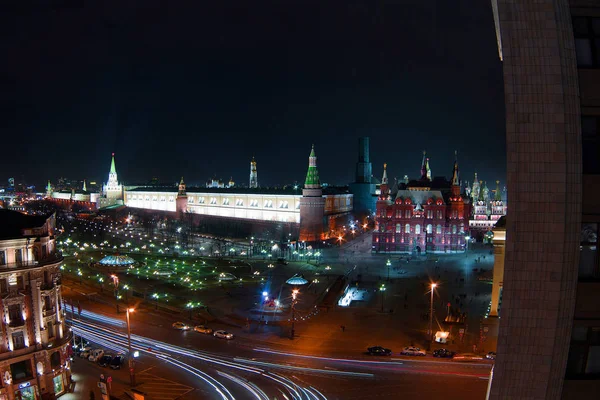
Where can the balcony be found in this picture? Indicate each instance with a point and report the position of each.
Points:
(15, 323)
(48, 260)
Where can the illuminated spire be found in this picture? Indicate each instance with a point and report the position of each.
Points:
(113, 169)
(455, 179)
(253, 174)
(312, 176)
(84, 187)
(181, 188)
(428, 173)
(384, 179)
(424, 165)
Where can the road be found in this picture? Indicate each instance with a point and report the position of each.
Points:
(239, 369)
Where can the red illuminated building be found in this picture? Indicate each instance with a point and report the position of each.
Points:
(425, 215)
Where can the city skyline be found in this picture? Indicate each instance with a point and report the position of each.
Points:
(189, 92)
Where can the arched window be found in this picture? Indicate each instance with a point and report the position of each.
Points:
(398, 228)
(418, 229)
(454, 229)
(462, 228)
(438, 229)
(429, 229)
(407, 228)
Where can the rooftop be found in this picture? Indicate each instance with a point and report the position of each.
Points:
(287, 190)
(12, 223)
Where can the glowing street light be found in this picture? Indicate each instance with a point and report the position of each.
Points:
(295, 293)
(382, 290)
(130, 355)
(433, 286)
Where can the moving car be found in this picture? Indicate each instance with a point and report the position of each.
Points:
(412, 351)
(181, 326)
(95, 355)
(443, 353)
(491, 355)
(105, 360)
(117, 361)
(223, 335)
(379, 351)
(203, 329)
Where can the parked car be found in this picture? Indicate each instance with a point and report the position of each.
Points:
(412, 351)
(203, 329)
(443, 353)
(85, 352)
(223, 335)
(117, 361)
(379, 351)
(95, 355)
(105, 360)
(491, 355)
(181, 326)
(467, 357)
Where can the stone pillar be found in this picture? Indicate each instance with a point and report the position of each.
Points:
(499, 240)
(36, 302)
(57, 307)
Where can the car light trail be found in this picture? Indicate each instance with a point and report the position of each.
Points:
(306, 369)
(347, 360)
(114, 340)
(256, 392)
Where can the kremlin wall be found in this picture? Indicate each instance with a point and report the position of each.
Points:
(429, 214)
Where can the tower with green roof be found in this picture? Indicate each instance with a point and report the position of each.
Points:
(312, 203)
(48, 190)
(112, 189)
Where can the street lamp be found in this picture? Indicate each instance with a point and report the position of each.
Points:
(382, 290)
(294, 297)
(433, 286)
(115, 280)
(388, 264)
(130, 355)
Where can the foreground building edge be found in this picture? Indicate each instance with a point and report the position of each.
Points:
(542, 248)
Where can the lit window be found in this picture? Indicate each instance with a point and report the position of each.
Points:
(201, 200)
(454, 229)
(283, 204)
(588, 251)
(225, 202)
(418, 229)
(398, 228)
(191, 200)
(438, 229)
(213, 200)
(407, 228)
(587, 41)
(429, 229)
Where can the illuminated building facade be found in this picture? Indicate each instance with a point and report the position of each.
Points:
(112, 191)
(253, 184)
(487, 210)
(428, 215)
(314, 213)
(34, 345)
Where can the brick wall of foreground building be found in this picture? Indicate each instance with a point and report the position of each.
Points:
(544, 182)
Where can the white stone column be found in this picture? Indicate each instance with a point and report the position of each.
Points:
(38, 315)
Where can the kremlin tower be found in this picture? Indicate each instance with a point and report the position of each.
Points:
(312, 203)
(253, 175)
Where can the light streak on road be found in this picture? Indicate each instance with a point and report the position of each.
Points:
(102, 318)
(305, 369)
(164, 351)
(347, 360)
(256, 391)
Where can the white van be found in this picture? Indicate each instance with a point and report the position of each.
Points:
(95, 355)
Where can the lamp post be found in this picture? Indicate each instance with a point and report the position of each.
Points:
(433, 286)
(382, 290)
(130, 355)
(388, 264)
(294, 297)
(115, 280)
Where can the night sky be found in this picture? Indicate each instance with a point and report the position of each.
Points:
(197, 88)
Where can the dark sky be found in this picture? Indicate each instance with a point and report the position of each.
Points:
(196, 88)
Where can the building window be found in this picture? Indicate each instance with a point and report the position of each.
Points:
(418, 229)
(398, 214)
(58, 384)
(201, 200)
(283, 204)
(429, 229)
(429, 214)
(590, 141)
(588, 256)
(584, 352)
(407, 228)
(454, 229)
(2, 257)
(225, 202)
(407, 213)
(21, 370)
(462, 228)
(213, 200)
(439, 214)
(18, 340)
(268, 204)
(398, 228)
(191, 200)
(587, 41)
(438, 229)
(50, 330)
(55, 359)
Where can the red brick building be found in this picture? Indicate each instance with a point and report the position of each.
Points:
(426, 215)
